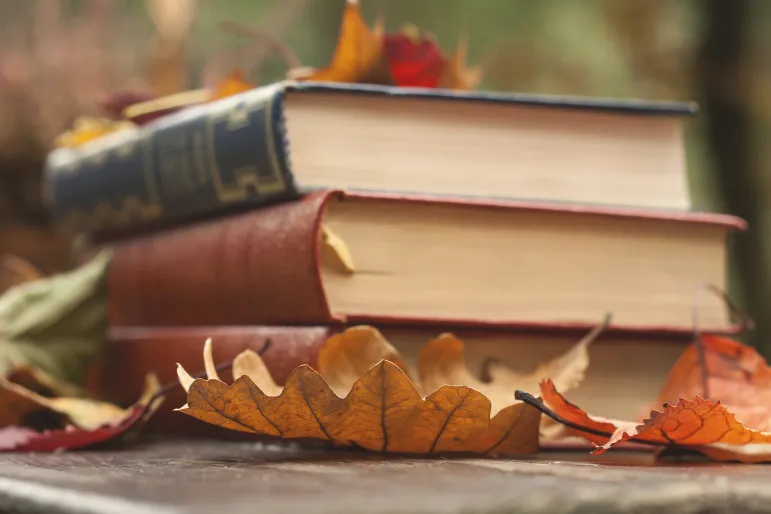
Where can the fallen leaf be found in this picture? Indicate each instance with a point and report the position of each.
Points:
(735, 374)
(699, 425)
(382, 409)
(87, 128)
(442, 361)
(58, 323)
(89, 422)
(349, 354)
(232, 85)
(358, 56)
(17, 409)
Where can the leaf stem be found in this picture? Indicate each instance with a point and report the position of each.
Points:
(538, 404)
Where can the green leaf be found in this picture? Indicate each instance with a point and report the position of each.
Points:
(58, 323)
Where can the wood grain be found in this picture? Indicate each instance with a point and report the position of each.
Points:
(165, 476)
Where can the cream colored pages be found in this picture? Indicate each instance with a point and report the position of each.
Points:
(422, 260)
(486, 149)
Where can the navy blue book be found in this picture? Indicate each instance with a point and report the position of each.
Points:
(279, 141)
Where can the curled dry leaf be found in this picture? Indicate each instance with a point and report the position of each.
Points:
(734, 373)
(700, 425)
(377, 406)
(89, 422)
(358, 56)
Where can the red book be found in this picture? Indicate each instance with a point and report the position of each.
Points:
(335, 257)
(625, 373)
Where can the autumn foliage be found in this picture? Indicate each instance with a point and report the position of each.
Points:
(364, 395)
(406, 59)
(732, 424)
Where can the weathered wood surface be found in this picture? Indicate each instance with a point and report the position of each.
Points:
(210, 476)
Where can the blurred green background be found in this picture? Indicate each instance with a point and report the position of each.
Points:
(59, 59)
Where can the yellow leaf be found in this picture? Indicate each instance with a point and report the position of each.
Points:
(358, 56)
(335, 247)
(380, 411)
(87, 129)
(232, 85)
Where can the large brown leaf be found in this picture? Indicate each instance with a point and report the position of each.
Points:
(379, 407)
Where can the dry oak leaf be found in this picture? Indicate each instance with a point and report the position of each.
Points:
(405, 59)
(735, 374)
(381, 411)
(700, 425)
(89, 422)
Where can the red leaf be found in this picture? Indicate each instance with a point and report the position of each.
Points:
(735, 374)
(413, 61)
(700, 425)
(20, 439)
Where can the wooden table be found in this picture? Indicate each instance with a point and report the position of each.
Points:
(210, 477)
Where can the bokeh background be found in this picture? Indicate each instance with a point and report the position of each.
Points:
(61, 59)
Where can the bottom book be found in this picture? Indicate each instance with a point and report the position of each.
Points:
(625, 372)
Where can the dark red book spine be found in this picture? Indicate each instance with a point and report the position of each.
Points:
(134, 352)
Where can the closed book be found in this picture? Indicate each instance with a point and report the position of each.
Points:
(419, 260)
(625, 372)
(288, 138)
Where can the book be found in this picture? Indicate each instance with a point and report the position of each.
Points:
(133, 352)
(625, 373)
(282, 140)
(421, 260)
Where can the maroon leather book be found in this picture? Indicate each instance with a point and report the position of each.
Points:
(432, 261)
(134, 352)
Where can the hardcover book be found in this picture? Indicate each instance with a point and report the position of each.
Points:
(279, 141)
(418, 260)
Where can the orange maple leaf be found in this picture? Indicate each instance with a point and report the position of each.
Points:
(733, 373)
(701, 425)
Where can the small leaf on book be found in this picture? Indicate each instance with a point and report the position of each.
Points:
(334, 247)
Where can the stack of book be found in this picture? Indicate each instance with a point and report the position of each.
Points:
(294, 210)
